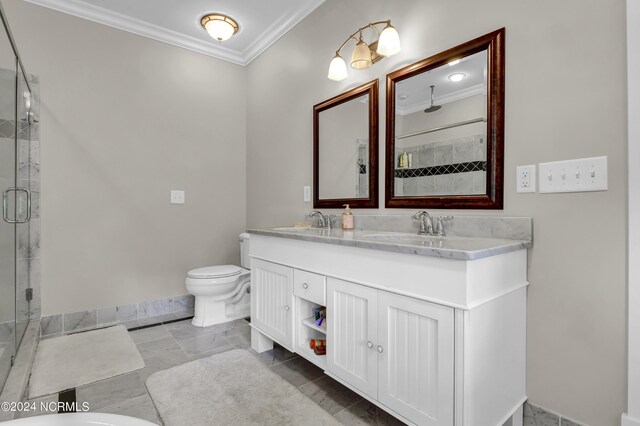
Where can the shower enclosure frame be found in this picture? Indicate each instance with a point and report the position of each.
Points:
(16, 205)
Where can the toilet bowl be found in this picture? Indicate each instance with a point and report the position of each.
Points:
(222, 291)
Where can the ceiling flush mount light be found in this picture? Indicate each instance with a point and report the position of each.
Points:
(364, 55)
(220, 27)
(457, 76)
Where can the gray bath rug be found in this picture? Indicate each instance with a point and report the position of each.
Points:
(231, 388)
(79, 359)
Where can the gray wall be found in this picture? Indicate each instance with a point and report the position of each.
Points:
(565, 98)
(124, 120)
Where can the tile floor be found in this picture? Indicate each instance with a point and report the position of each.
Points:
(167, 345)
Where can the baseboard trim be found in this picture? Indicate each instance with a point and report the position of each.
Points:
(559, 416)
(629, 421)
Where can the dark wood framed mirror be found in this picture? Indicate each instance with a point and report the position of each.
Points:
(445, 129)
(345, 149)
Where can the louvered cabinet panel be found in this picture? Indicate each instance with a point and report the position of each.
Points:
(416, 377)
(272, 300)
(351, 334)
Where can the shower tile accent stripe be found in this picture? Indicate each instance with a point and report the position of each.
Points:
(7, 129)
(447, 169)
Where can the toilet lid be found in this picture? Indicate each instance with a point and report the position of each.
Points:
(218, 271)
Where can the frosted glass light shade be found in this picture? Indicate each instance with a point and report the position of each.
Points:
(337, 69)
(220, 30)
(389, 42)
(361, 57)
(219, 27)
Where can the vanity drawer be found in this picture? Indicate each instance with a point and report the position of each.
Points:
(309, 286)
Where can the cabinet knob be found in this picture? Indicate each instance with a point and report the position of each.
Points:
(286, 308)
(380, 349)
(305, 286)
(369, 345)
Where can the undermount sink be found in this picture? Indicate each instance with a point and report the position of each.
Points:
(406, 239)
(295, 229)
(403, 237)
(310, 231)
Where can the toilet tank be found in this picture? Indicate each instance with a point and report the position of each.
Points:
(245, 260)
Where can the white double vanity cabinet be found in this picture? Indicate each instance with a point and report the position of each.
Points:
(432, 330)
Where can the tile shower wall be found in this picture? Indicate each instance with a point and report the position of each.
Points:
(132, 315)
(454, 166)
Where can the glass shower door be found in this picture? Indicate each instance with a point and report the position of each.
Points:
(23, 198)
(16, 181)
(7, 228)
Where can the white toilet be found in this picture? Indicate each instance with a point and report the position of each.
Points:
(222, 291)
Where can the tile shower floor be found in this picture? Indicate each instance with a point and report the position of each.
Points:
(167, 345)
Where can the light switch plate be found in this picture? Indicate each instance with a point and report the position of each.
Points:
(307, 193)
(177, 197)
(585, 174)
(526, 178)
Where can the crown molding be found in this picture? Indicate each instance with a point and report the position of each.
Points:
(276, 30)
(145, 29)
(478, 89)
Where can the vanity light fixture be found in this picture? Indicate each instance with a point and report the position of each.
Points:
(220, 27)
(364, 55)
(457, 76)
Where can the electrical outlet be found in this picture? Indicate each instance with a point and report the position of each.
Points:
(526, 178)
(177, 197)
(307, 194)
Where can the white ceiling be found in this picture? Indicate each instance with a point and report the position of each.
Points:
(177, 22)
(414, 94)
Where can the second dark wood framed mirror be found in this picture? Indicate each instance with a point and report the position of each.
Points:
(345, 149)
(445, 129)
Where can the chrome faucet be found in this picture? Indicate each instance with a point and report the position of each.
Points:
(440, 225)
(323, 221)
(426, 223)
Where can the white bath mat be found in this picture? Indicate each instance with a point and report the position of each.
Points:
(79, 359)
(231, 388)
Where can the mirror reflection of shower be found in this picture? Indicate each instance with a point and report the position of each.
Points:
(432, 107)
(440, 126)
(362, 178)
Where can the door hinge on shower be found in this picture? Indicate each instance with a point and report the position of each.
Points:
(29, 294)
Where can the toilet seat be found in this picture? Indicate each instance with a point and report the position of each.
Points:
(218, 271)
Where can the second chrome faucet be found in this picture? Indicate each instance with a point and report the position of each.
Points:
(426, 224)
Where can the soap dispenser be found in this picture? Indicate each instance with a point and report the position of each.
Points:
(347, 219)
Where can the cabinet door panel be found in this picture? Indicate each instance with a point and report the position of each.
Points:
(416, 364)
(351, 325)
(272, 300)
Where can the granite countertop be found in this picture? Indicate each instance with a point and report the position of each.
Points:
(451, 247)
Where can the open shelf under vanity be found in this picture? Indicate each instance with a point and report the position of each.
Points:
(307, 330)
